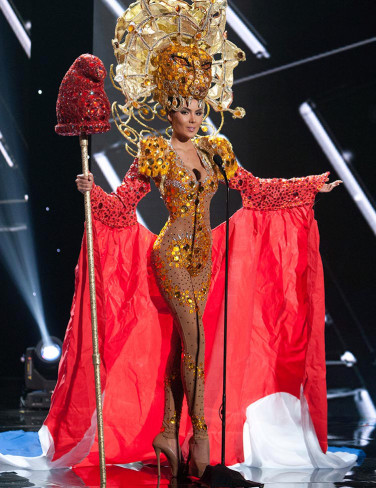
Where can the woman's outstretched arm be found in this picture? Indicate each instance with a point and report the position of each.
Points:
(274, 193)
(117, 209)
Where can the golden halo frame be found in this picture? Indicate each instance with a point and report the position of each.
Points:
(146, 28)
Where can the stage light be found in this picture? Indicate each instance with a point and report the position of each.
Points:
(50, 351)
(41, 369)
(245, 34)
(17, 26)
(348, 359)
(338, 162)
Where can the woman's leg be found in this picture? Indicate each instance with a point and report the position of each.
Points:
(178, 288)
(173, 389)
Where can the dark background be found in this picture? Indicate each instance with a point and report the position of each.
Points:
(272, 140)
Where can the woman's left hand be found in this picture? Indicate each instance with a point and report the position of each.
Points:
(327, 187)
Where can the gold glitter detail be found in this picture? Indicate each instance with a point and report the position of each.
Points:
(153, 157)
(172, 421)
(191, 365)
(168, 53)
(219, 145)
(185, 240)
(199, 423)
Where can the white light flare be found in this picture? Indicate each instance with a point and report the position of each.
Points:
(348, 359)
(339, 164)
(17, 26)
(112, 178)
(50, 352)
(5, 153)
(116, 8)
(247, 36)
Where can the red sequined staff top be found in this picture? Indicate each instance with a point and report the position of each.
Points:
(82, 106)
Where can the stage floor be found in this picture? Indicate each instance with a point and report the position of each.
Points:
(343, 431)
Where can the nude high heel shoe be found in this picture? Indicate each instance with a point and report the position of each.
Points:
(199, 456)
(171, 449)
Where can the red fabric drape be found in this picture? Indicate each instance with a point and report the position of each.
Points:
(276, 335)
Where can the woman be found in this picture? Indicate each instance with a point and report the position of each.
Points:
(174, 59)
(182, 264)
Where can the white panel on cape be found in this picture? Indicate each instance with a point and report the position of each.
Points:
(279, 434)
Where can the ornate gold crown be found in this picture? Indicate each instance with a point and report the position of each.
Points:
(169, 52)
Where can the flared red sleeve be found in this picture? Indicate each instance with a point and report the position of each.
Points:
(118, 209)
(276, 193)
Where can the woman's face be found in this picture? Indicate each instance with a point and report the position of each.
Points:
(186, 121)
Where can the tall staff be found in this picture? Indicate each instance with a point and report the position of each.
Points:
(83, 108)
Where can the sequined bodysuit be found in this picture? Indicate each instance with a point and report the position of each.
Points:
(182, 264)
(181, 255)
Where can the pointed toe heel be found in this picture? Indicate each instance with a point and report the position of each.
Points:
(171, 449)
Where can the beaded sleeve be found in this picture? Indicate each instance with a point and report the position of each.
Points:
(118, 209)
(276, 193)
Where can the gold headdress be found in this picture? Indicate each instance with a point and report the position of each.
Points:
(168, 53)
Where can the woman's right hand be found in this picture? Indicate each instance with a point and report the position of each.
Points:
(84, 183)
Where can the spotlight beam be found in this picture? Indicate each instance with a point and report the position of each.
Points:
(4, 151)
(316, 57)
(17, 248)
(16, 26)
(13, 228)
(245, 34)
(116, 8)
(10, 202)
(339, 164)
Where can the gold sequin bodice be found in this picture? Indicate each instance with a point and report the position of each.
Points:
(181, 256)
(185, 240)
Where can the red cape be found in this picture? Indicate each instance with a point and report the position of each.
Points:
(276, 336)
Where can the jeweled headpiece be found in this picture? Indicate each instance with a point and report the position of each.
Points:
(168, 53)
